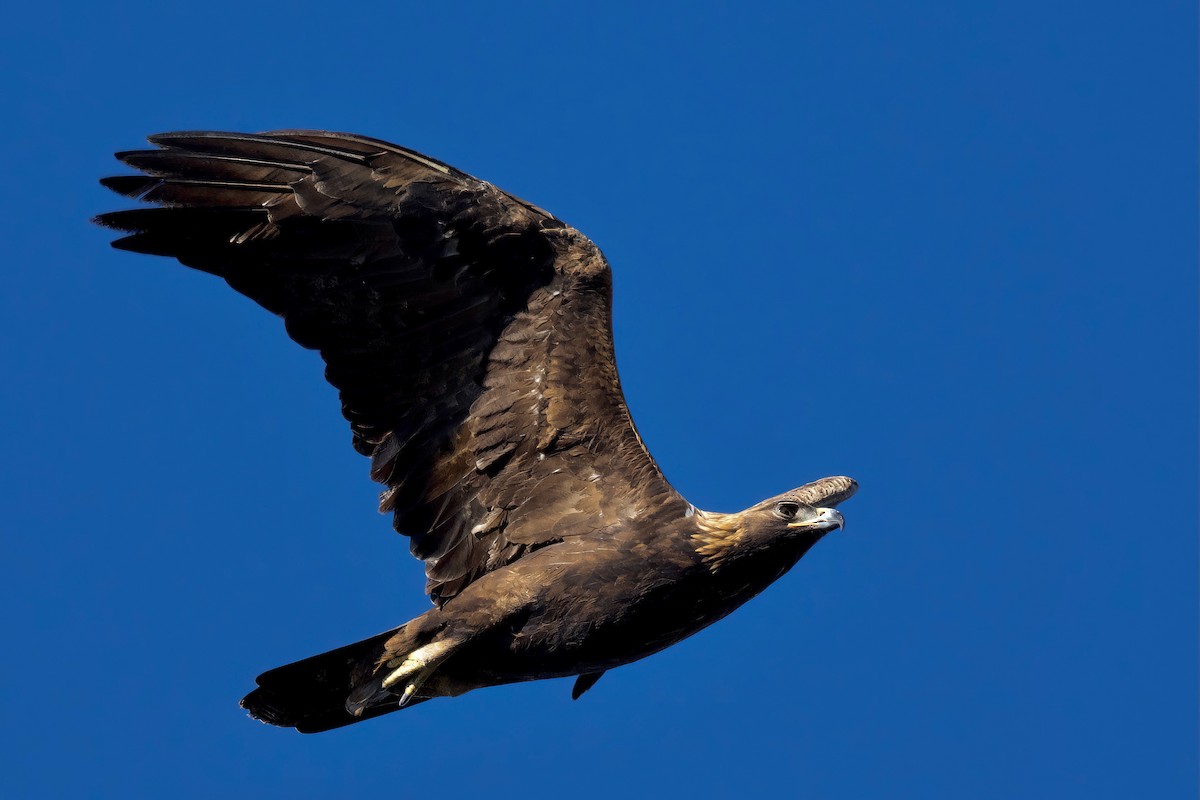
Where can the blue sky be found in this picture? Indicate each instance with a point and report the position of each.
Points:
(946, 248)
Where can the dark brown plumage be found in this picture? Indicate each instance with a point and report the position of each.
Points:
(468, 333)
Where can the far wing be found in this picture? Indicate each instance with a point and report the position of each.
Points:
(467, 332)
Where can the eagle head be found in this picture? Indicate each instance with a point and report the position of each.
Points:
(801, 516)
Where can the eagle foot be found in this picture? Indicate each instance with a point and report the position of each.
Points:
(416, 668)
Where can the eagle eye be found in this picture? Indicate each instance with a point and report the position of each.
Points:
(787, 510)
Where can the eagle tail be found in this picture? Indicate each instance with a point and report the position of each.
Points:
(311, 695)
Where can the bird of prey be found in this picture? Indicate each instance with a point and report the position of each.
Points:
(469, 335)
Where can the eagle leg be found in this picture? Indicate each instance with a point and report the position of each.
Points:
(584, 682)
(417, 666)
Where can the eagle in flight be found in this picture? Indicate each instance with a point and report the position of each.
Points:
(469, 334)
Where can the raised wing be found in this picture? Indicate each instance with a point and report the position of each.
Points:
(468, 332)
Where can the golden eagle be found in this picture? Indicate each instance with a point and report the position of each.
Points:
(469, 335)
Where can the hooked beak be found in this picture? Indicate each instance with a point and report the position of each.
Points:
(827, 519)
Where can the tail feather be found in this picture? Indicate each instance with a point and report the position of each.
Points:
(311, 695)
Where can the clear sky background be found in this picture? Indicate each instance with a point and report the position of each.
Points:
(946, 248)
